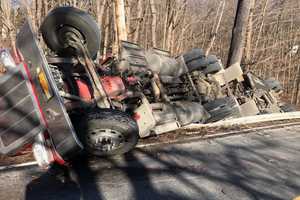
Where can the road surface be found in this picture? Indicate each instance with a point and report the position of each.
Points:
(258, 165)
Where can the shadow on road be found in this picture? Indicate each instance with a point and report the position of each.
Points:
(74, 182)
(222, 171)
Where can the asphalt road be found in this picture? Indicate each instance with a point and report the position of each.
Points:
(259, 165)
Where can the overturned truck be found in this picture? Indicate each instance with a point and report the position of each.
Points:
(68, 103)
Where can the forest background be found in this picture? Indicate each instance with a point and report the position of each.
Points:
(271, 46)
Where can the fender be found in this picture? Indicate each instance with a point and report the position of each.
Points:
(59, 126)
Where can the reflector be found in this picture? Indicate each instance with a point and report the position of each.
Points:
(43, 82)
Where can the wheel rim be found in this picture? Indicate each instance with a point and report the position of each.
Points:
(105, 140)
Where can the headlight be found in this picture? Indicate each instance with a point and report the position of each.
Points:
(6, 59)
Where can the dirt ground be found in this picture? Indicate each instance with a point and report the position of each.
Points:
(205, 131)
(11, 160)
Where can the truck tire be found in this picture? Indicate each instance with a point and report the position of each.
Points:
(63, 19)
(221, 109)
(107, 132)
(196, 60)
(194, 54)
(212, 68)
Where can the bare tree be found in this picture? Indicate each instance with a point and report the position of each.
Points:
(273, 28)
(120, 19)
(107, 28)
(6, 19)
(261, 25)
(153, 25)
(167, 23)
(249, 32)
(139, 19)
(216, 26)
(239, 32)
(128, 16)
(100, 6)
(38, 13)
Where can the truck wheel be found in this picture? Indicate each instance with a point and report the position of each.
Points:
(221, 109)
(194, 54)
(108, 132)
(62, 20)
(196, 60)
(212, 68)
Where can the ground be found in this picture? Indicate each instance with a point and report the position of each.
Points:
(256, 165)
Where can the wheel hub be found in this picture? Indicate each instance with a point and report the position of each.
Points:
(67, 32)
(105, 139)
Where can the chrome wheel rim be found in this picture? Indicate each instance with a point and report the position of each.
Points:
(105, 140)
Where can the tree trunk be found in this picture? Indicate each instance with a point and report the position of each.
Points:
(261, 26)
(6, 19)
(249, 33)
(106, 32)
(216, 27)
(166, 24)
(145, 27)
(140, 19)
(39, 8)
(153, 24)
(128, 17)
(100, 6)
(120, 19)
(296, 88)
(239, 33)
(45, 6)
(115, 45)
